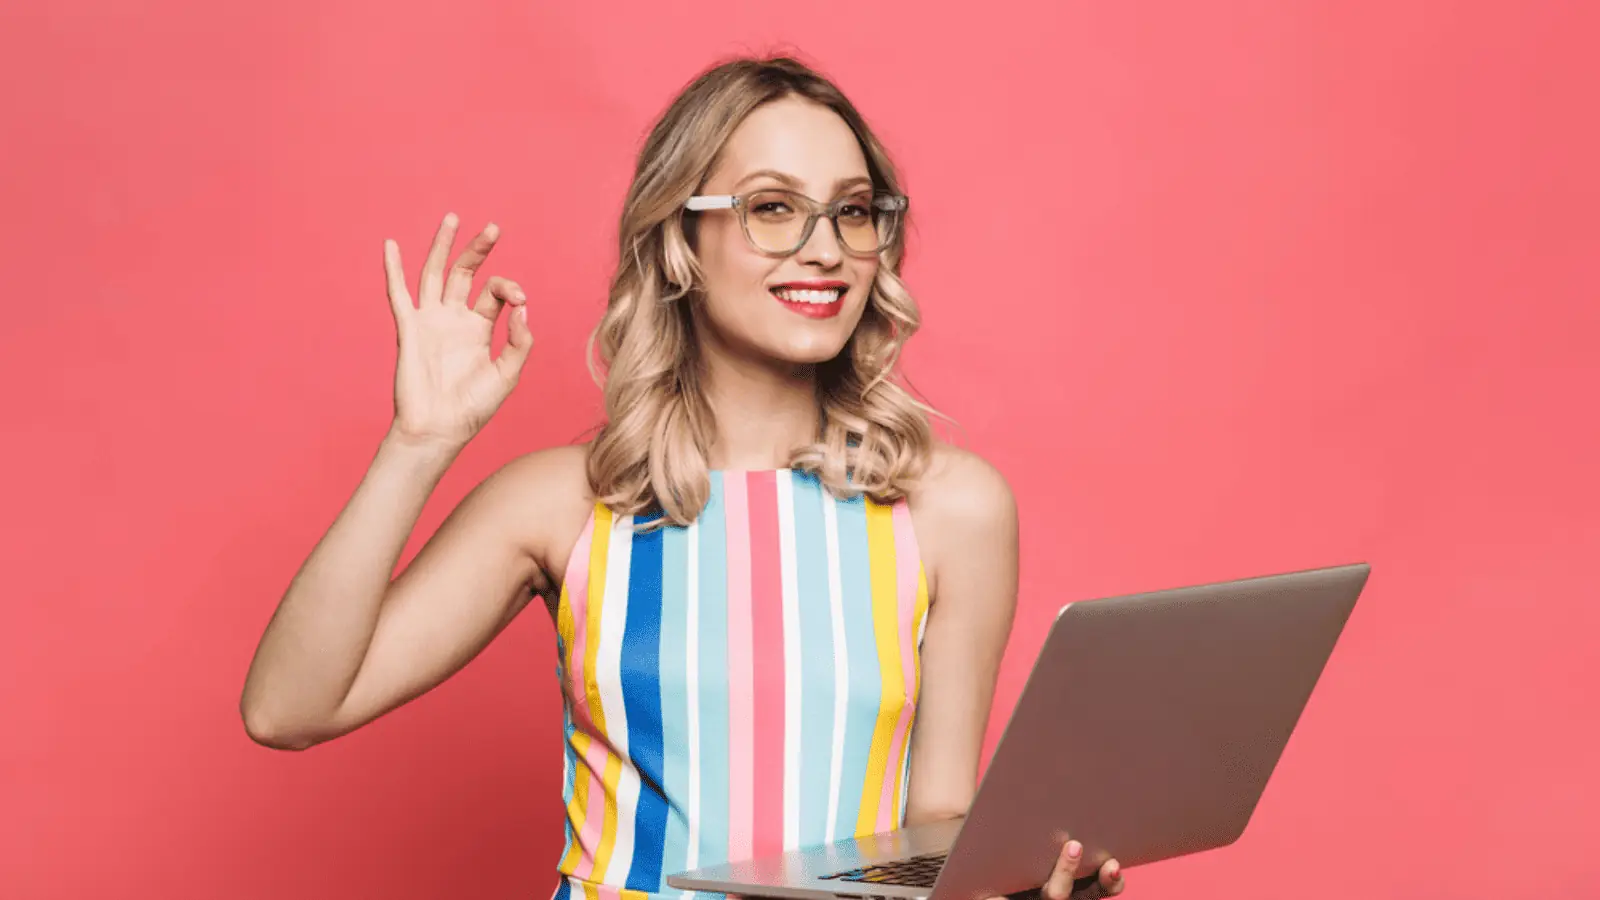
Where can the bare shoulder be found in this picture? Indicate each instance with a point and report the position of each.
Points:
(962, 506)
(544, 498)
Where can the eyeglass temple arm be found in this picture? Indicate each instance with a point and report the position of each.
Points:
(893, 202)
(713, 201)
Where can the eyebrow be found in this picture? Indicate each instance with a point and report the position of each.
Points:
(794, 183)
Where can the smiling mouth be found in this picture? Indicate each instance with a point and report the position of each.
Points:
(815, 303)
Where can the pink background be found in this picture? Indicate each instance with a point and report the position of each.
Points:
(1224, 289)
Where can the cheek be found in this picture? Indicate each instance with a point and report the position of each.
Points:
(864, 273)
(732, 271)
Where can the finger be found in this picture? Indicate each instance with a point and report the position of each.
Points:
(1111, 878)
(431, 287)
(519, 342)
(1107, 884)
(1059, 887)
(459, 282)
(496, 293)
(395, 274)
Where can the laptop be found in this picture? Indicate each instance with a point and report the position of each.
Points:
(1147, 730)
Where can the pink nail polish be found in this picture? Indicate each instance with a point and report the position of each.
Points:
(1074, 849)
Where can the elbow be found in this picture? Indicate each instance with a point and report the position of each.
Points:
(268, 731)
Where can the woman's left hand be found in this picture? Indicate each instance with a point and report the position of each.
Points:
(1061, 884)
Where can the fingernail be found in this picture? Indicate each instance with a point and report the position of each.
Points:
(521, 297)
(1074, 849)
(1116, 871)
(522, 313)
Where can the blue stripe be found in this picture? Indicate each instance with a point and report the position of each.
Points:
(713, 677)
(641, 698)
(816, 658)
(568, 757)
(674, 696)
(865, 686)
(563, 890)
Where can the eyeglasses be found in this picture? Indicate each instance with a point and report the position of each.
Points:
(779, 223)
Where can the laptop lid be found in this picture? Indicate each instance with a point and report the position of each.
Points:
(1149, 726)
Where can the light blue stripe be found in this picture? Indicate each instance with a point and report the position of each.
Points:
(674, 699)
(713, 676)
(568, 757)
(816, 658)
(866, 686)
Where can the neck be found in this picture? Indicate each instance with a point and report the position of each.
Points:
(763, 412)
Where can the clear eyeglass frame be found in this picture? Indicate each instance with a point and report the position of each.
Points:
(814, 209)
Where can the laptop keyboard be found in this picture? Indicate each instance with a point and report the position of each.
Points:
(918, 871)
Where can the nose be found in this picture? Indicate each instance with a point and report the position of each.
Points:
(822, 248)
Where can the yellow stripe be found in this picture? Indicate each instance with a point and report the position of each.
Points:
(583, 778)
(608, 826)
(634, 895)
(567, 628)
(885, 627)
(598, 548)
(591, 891)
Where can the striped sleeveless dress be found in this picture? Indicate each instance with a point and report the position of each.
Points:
(743, 685)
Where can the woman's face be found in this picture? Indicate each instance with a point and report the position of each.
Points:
(799, 309)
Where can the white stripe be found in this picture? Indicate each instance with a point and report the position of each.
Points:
(608, 672)
(841, 659)
(791, 662)
(691, 652)
(905, 782)
(566, 761)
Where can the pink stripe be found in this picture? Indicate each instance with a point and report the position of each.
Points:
(766, 619)
(905, 564)
(608, 891)
(741, 702)
(577, 577)
(594, 819)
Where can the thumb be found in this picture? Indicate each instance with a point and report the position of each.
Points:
(519, 341)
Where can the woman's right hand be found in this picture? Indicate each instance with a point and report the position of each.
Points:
(446, 384)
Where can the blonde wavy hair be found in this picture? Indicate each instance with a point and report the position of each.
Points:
(652, 452)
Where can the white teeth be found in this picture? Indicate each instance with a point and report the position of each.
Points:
(795, 295)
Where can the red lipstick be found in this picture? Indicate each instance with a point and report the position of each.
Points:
(805, 297)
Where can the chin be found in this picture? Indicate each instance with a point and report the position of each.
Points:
(809, 353)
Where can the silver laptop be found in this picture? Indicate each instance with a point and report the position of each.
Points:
(1147, 730)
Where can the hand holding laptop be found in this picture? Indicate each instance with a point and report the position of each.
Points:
(1064, 883)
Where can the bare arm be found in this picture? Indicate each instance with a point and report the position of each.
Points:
(345, 644)
(966, 521)
(348, 645)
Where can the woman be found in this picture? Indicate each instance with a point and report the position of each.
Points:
(760, 568)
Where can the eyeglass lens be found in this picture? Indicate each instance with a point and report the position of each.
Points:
(776, 221)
